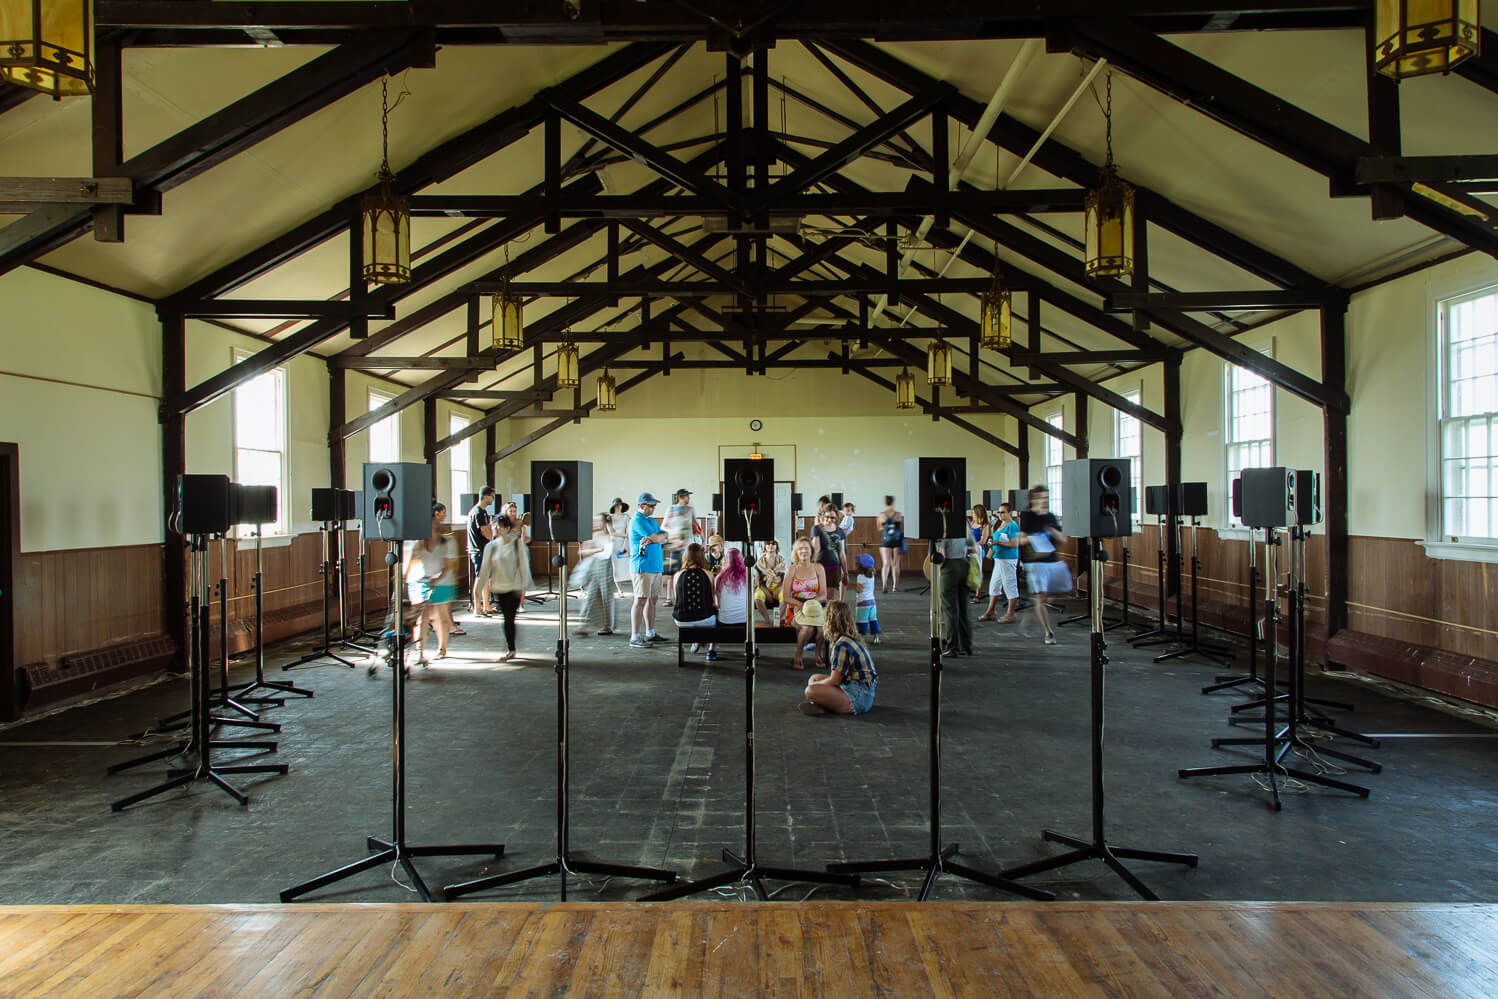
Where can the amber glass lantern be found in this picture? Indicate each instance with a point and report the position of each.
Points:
(905, 390)
(48, 45)
(608, 392)
(939, 363)
(386, 216)
(1416, 37)
(567, 376)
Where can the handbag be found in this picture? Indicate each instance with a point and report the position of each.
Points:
(974, 572)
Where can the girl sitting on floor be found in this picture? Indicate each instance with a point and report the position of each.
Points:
(849, 688)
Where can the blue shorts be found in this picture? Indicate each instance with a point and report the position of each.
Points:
(861, 695)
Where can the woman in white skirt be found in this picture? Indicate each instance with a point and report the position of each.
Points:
(1046, 574)
(595, 577)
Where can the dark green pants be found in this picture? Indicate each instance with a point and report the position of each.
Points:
(957, 628)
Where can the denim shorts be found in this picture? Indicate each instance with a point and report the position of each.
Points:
(861, 695)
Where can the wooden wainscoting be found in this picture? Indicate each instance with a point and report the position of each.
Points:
(86, 598)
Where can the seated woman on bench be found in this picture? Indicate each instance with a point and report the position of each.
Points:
(696, 603)
(805, 582)
(769, 572)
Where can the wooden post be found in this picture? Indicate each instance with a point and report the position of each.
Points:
(173, 464)
(337, 415)
(1334, 480)
(1172, 400)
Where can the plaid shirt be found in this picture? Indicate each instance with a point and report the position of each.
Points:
(852, 660)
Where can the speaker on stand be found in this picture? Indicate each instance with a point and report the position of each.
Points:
(257, 506)
(1104, 481)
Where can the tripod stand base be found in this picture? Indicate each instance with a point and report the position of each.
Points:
(1194, 648)
(754, 874)
(313, 657)
(279, 686)
(183, 748)
(1295, 742)
(1232, 680)
(1273, 773)
(178, 778)
(939, 864)
(561, 867)
(1109, 854)
(389, 853)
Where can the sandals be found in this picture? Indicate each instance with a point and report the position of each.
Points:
(457, 631)
(507, 656)
(986, 617)
(607, 631)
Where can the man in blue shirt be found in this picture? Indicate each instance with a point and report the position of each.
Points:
(646, 566)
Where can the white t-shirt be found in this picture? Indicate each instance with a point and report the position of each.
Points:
(434, 561)
(865, 588)
(731, 604)
(846, 525)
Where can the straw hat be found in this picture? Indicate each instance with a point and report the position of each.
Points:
(810, 615)
(714, 540)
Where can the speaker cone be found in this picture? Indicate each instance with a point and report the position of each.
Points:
(553, 479)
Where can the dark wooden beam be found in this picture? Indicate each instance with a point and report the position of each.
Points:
(1207, 301)
(1262, 116)
(1171, 404)
(247, 308)
(21, 194)
(337, 414)
(476, 363)
(173, 464)
(1088, 357)
(108, 135)
(1396, 169)
(711, 288)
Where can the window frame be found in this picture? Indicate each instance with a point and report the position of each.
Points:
(1437, 543)
(1136, 460)
(455, 423)
(1056, 419)
(1230, 522)
(394, 419)
(282, 526)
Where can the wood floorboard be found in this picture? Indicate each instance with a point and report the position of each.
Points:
(1063, 950)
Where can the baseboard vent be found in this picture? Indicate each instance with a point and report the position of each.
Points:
(85, 672)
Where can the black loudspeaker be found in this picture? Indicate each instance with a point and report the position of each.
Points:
(1096, 491)
(355, 505)
(749, 487)
(1238, 498)
(522, 502)
(397, 501)
(564, 500)
(837, 501)
(935, 497)
(468, 501)
(992, 498)
(324, 505)
(1268, 497)
(253, 504)
(1307, 497)
(203, 504)
(1157, 501)
(1193, 501)
(717, 503)
(797, 501)
(1019, 499)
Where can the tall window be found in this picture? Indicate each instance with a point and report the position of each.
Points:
(457, 463)
(260, 441)
(1469, 417)
(385, 436)
(1053, 459)
(1250, 427)
(1128, 443)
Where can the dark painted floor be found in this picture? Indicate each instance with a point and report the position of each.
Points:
(657, 756)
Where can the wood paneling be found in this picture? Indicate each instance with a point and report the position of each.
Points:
(89, 598)
(712, 949)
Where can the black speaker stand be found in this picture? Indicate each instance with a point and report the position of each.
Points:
(1160, 634)
(1098, 847)
(1276, 742)
(395, 850)
(347, 639)
(325, 651)
(746, 868)
(200, 743)
(1108, 623)
(938, 858)
(282, 687)
(565, 862)
(1232, 680)
(1195, 646)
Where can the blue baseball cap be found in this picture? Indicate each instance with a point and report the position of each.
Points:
(866, 561)
(646, 498)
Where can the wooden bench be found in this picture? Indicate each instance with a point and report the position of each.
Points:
(730, 634)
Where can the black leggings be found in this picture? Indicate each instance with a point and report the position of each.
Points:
(509, 603)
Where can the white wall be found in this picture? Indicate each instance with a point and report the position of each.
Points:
(80, 380)
(1390, 374)
(826, 431)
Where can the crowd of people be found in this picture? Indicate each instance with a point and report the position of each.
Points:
(669, 559)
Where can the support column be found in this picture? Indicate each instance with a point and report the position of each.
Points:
(1023, 434)
(1383, 126)
(107, 108)
(173, 464)
(1334, 479)
(1083, 430)
(490, 446)
(429, 438)
(1172, 406)
(337, 417)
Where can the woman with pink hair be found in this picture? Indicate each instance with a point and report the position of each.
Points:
(732, 585)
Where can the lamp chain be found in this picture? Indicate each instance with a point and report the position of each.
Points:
(385, 125)
(1108, 121)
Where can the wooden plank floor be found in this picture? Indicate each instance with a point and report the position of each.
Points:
(1237, 950)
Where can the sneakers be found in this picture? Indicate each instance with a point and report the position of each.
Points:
(875, 640)
(811, 710)
(712, 655)
(695, 647)
(656, 639)
(638, 643)
(1050, 639)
